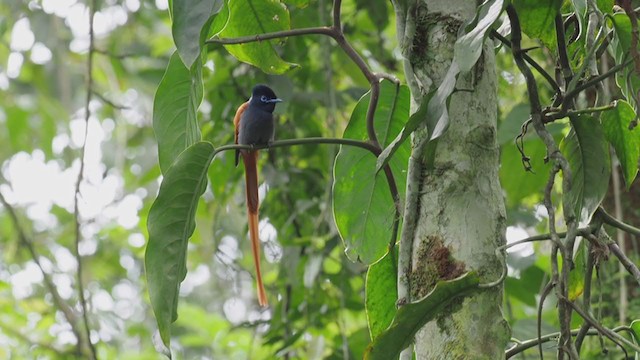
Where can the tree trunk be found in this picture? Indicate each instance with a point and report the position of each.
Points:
(458, 203)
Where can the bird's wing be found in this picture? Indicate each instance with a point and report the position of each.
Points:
(236, 125)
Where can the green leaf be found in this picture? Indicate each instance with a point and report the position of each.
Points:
(576, 275)
(518, 183)
(526, 287)
(627, 79)
(377, 12)
(412, 317)
(580, 8)
(537, 19)
(587, 152)
(468, 47)
(252, 18)
(171, 223)
(511, 125)
(624, 140)
(363, 207)
(635, 331)
(412, 124)
(381, 293)
(189, 17)
(175, 108)
(437, 114)
(606, 6)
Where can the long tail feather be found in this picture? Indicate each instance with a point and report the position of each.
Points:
(251, 181)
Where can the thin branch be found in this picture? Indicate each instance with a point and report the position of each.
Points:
(610, 220)
(371, 112)
(109, 102)
(586, 295)
(320, 30)
(527, 344)
(593, 81)
(625, 261)
(516, 50)
(561, 163)
(76, 211)
(613, 336)
(542, 237)
(545, 292)
(305, 141)
(337, 9)
(11, 331)
(59, 302)
(563, 57)
(552, 116)
(554, 85)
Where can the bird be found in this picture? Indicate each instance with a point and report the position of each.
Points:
(254, 125)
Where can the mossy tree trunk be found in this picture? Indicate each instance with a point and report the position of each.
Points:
(458, 202)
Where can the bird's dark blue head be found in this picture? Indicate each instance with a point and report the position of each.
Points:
(264, 98)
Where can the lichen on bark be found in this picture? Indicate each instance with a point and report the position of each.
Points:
(461, 216)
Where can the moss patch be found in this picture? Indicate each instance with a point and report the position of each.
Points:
(438, 265)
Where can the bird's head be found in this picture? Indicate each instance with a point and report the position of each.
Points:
(264, 98)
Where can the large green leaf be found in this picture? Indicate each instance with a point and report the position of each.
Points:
(525, 287)
(175, 108)
(624, 140)
(412, 317)
(517, 182)
(587, 151)
(171, 222)
(363, 207)
(189, 17)
(381, 293)
(537, 19)
(253, 17)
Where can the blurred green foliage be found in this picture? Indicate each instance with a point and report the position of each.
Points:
(318, 293)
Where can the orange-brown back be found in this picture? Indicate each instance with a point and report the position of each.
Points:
(236, 125)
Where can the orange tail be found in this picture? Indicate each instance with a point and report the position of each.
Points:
(251, 178)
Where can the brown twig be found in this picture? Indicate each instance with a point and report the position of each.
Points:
(527, 344)
(543, 296)
(610, 220)
(624, 260)
(76, 211)
(563, 57)
(611, 335)
(586, 295)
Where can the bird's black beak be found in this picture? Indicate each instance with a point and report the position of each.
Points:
(276, 100)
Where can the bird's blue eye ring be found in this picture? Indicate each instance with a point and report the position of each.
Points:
(264, 99)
